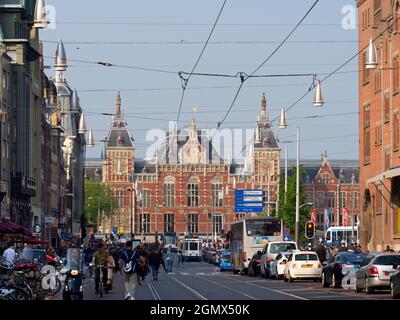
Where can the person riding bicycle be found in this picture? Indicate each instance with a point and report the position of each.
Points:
(100, 263)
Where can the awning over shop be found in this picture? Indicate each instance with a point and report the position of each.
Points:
(386, 175)
(7, 226)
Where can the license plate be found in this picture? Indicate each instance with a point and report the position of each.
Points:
(307, 266)
(387, 273)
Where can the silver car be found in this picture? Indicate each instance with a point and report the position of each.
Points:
(375, 272)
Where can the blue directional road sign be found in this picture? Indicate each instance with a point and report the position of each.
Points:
(249, 200)
(115, 230)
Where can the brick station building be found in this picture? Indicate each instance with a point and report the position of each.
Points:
(188, 187)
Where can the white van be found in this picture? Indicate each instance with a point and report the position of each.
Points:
(271, 251)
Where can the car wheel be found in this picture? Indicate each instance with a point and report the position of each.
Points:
(357, 289)
(394, 294)
(324, 283)
(290, 278)
(368, 289)
(284, 278)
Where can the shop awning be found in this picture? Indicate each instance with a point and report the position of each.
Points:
(33, 241)
(7, 226)
(386, 175)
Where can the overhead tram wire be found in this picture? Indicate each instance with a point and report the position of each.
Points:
(184, 80)
(244, 77)
(339, 68)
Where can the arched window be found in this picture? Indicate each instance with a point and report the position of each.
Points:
(169, 192)
(193, 192)
(217, 193)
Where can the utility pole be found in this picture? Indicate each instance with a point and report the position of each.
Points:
(286, 170)
(297, 186)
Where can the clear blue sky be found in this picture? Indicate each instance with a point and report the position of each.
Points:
(157, 95)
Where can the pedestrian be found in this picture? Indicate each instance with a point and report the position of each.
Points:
(161, 258)
(110, 269)
(129, 266)
(321, 253)
(168, 258)
(154, 263)
(9, 254)
(388, 249)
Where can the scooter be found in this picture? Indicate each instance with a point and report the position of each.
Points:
(73, 289)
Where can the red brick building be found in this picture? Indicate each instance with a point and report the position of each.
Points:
(379, 101)
(188, 187)
(334, 189)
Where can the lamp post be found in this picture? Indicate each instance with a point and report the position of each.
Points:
(318, 102)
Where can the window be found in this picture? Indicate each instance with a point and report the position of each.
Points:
(193, 192)
(119, 195)
(367, 136)
(396, 27)
(217, 224)
(396, 132)
(145, 201)
(193, 223)
(144, 223)
(320, 199)
(395, 72)
(378, 134)
(365, 70)
(377, 80)
(387, 159)
(169, 192)
(330, 199)
(325, 178)
(387, 107)
(169, 222)
(217, 193)
(343, 199)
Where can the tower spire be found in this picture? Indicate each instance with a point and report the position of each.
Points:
(118, 105)
(263, 114)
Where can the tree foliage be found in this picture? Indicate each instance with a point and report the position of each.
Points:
(287, 204)
(98, 197)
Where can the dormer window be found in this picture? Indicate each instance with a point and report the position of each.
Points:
(120, 141)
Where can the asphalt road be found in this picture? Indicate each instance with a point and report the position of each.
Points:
(202, 281)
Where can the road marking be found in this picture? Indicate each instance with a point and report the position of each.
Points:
(223, 286)
(188, 288)
(153, 290)
(265, 288)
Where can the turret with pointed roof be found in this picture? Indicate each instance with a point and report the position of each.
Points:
(264, 137)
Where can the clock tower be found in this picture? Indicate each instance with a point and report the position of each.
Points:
(266, 158)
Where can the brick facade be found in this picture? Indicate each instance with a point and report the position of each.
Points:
(379, 125)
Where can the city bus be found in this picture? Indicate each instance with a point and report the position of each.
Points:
(335, 235)
(251, 235)
(192, 250)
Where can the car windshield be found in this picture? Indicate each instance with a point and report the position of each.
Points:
(194, 246)
(226, 256)
(352, 258)
(387, 260)
(280, 247)
(306, 257)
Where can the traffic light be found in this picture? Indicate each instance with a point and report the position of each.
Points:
(310, 230)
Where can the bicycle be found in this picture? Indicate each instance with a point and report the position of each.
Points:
(102, 284)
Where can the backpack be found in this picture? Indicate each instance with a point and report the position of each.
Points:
(130, 266)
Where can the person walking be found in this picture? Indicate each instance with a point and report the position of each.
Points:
(9, 254)
(154, 262)
(129, 266)
(321, 253)
(168, 258)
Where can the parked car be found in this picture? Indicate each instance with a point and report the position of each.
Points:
(254, 264)
(303, 265)
(277, 268)
(375, 272)
(271, 251)
(339, 266)
(225, 261)
(395, 283)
